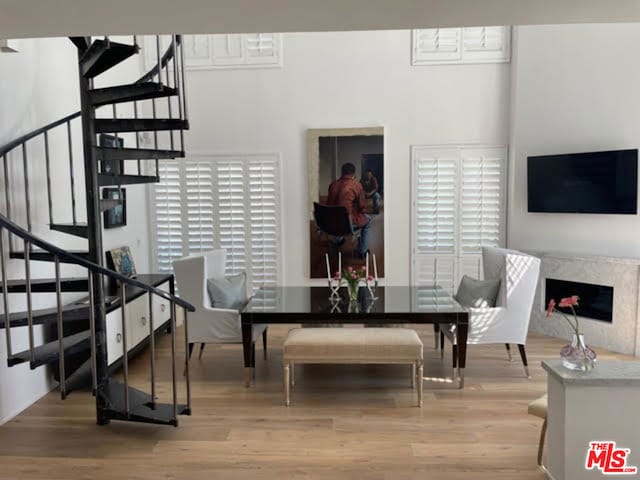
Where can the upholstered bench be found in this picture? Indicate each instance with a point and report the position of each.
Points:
(352, 345)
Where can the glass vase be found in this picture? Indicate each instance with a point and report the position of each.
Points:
(352, 289)
(577, 355)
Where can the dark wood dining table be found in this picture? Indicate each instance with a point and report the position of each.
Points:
(382, 305)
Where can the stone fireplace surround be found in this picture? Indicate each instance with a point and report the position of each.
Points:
(623, 334)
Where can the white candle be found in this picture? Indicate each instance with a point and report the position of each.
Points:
(375, 268)
(340, 263)
(326, 256)
(367, 268)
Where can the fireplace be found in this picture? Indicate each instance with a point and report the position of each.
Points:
(596, 301)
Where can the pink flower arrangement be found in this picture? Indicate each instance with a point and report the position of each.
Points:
(567, 302)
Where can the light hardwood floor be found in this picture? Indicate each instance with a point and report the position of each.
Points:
(345, 422)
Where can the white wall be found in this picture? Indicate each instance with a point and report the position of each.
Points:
(39, 85)
(349, 79)
(575, 89)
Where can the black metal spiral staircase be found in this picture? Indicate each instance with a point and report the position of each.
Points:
(78, 352)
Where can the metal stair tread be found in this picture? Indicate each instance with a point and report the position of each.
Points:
(113, 153)
(141, 408)
(103, 55)
(47, 285)
(48, 353)
(129, 93)
(73, 312)
(44, 256)
(116, 125)
(106, 179)
(77, 229)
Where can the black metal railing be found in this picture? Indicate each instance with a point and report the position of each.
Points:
(61, 255)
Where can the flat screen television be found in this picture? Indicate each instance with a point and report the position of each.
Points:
(594, 182)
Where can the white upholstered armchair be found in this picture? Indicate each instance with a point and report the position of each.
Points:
(508, 321)
(208, 324)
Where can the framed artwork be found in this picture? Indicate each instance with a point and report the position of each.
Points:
(113, 167)
(120, 260)
(346, 199)
(116, 216)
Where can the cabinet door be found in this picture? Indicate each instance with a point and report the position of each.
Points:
(161, 307)
(114, 336)
(137, 321)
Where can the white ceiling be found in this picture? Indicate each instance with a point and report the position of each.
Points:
(41, 18)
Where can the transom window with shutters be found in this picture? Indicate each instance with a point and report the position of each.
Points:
(434, 46)
(458, 206)
(221, 201)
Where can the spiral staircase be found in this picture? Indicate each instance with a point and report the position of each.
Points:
(77, 350)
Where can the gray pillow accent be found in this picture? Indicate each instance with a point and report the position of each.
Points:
(474, 293)
(228, 292)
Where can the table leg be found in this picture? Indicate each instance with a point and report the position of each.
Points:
(247, 350)
(462, 333)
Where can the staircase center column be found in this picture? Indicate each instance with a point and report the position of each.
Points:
(94, 228)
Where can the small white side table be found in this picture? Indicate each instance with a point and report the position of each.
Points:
(600, 405)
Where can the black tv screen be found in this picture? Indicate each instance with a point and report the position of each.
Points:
(595, 182)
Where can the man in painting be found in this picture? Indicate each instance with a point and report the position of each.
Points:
(370, 186)
(347, 192)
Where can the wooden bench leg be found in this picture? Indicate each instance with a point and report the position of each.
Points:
(287, 387)
(414, 372)
(420, 382)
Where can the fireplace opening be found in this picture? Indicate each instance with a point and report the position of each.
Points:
(596, 301)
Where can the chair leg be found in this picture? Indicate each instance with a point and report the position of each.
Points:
(508, 351)
(293, 374)
(264, 343)
(436, 330)
(184, 373)
(543, 434)
(523, 356)
(190, 350)
(201, 351)
(441, 345)
(287, 388)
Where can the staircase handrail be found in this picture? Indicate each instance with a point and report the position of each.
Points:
(82, 262)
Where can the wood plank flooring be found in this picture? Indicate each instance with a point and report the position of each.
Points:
(345, 422)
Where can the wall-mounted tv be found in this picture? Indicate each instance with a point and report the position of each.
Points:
(595, 182)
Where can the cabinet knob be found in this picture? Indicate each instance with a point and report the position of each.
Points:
(143, 320)
(119, 337)
(163, 307)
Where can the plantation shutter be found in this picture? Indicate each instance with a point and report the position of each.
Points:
(167, 204)
(228, 202)
(199, 211)
(486, 44)
(264, 219)
(232, 215)
(262, 48)
(436, 45)
(458, 207)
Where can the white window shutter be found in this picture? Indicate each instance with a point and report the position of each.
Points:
(458, 207)
(167, 205)
(231, 211)
(482, 199)
(247, 50)
(199, 202)
(436, 45)
(264, 220)
(224, 201)
(486, 44)
(435, 200)
(262, 48)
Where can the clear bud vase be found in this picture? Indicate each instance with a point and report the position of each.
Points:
(577, 355)
(352, 288)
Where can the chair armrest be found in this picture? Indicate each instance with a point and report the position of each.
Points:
(221, 310)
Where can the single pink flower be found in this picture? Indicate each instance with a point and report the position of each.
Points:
(354, 276)
(569, 301)
(337, 275)
(552, 305)
(370, 278)
(350, 269)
